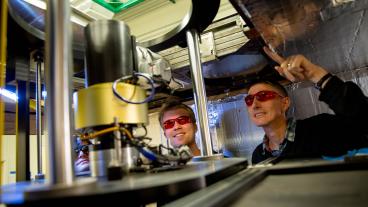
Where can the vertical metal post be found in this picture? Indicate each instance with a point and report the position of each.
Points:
(58, 82)
(117, 144)
(200, 97)
(22, 152)
(39, 59)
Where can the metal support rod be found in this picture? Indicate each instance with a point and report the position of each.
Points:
(200, 97)
(23, 168)
(117, 145)
(38, 117)
(39, 59)
(58, 82)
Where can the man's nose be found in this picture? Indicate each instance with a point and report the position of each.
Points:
(255, 103)
(81, 154)
(177, 125)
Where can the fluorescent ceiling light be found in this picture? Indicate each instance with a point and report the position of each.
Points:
(9, 94)
(37, 3)
(13, 96)
(42, 5)
(44, 94)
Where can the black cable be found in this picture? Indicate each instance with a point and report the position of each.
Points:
(149, 98)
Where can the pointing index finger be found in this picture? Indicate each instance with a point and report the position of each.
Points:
(274, 56)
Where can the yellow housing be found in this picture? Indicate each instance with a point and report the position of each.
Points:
(97, 105)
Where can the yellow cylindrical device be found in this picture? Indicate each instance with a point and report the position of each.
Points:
(98, 106)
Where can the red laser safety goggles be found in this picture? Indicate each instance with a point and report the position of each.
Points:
(261, 96)
(180, 120)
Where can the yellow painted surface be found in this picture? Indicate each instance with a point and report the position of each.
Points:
(97, 105)
(32, 104)
(9, 157)
(3, 41)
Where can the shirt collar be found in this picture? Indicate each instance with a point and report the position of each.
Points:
(289, 136)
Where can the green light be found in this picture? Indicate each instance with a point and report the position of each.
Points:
(117, 6)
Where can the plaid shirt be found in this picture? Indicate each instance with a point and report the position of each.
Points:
(289, 136)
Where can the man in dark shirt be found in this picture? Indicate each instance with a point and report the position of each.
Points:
(324, 134)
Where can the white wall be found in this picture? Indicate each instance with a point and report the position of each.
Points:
(154, 130)
(9, 157)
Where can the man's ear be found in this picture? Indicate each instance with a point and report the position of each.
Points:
(286, 103)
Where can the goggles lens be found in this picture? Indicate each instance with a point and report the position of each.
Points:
(180, 120)
(83, 148)
(261, 96)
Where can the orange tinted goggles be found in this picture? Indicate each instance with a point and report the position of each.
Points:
(180, 120)
(261, 96)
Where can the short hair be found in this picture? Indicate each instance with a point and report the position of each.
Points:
(172, 104)
(280, 88)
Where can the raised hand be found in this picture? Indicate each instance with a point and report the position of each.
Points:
(296, 68)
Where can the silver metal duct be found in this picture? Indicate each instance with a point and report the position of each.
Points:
(331, 33)
(232, 128)
(234, 65)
